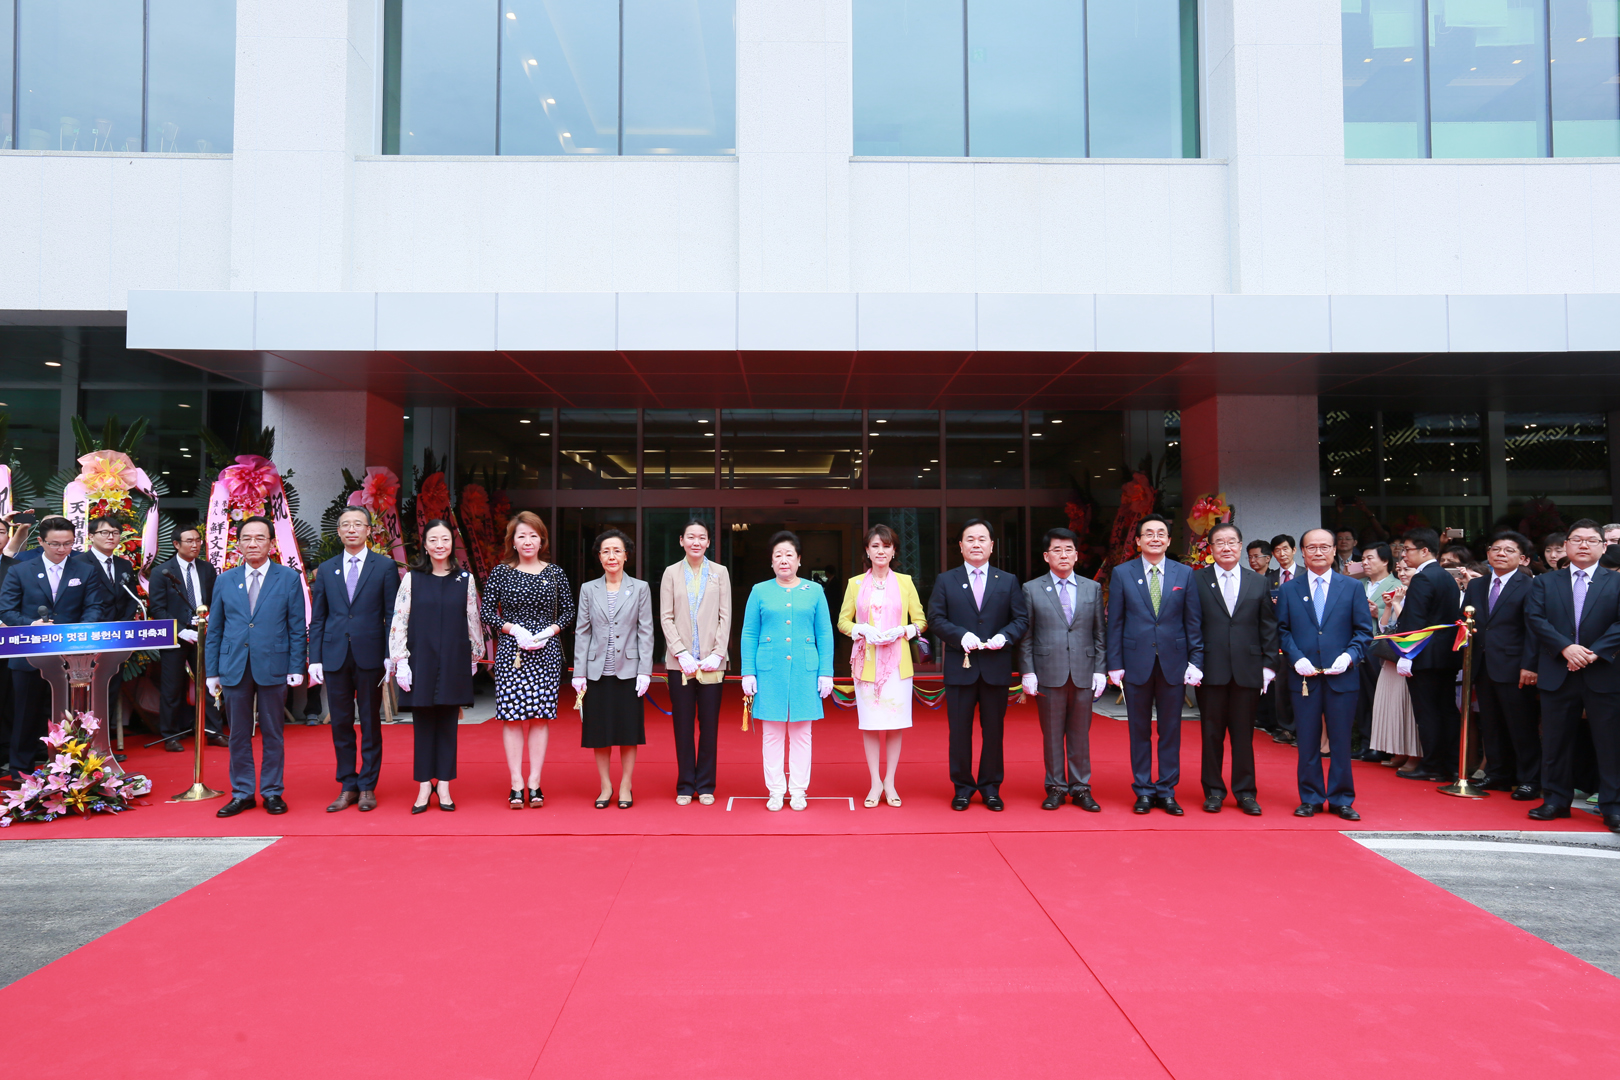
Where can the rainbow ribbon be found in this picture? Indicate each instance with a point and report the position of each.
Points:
(1411, 642)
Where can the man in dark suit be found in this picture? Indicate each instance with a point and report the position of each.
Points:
(59, 587)
(1063, 657)
(978, 611)
(1574, 614)
(121, 584)
(16, 534)
(1240, 660)
(1432, 599)
(1155, 650)
(178, 587)
(1280, 705)
(351, 605)
(1505, 669)
(255, 650)
(1325, 628)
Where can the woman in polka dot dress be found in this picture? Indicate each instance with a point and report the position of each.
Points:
(530, 602)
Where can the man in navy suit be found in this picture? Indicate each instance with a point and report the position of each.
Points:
(1155, 651)
(59, 587)
(351, 605)
(1505, 669)
(1326, 629)
(1574, 614)
(1432, 599)
(256, 649)
(978, 611)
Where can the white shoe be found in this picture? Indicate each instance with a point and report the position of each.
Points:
(774, 802)
(706, 800)
(683, 800)
(799, 802)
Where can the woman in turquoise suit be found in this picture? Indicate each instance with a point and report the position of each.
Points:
(787, 651)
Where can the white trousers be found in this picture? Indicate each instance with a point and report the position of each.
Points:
(773, 734)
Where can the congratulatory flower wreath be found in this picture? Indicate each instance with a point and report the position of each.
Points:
(74, 779)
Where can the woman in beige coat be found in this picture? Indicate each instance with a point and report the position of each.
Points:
(694, 606)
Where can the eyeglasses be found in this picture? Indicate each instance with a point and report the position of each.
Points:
(105, 532)
(1508, 549)
(59, 544)
(1583, 540)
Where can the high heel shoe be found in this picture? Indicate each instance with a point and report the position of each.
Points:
(421, 808)
(625, 804)
(514, 799)
(447, 807)
(602, 803)
(537, 798)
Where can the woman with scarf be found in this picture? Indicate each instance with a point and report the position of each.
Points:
(881, 612)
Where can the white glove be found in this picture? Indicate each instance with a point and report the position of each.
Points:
(189, 635)
(712, 662)
(213, 686)
(1032, 685)
(824, 685)
(750, 686)
(1117, 677)
(579, 686)
(544, 636)
(970, 641)
(295, 680)
(1341, 665)
(642, 682)
(475, 665)
(858, 631)
(1266, 676)
(402, 674)
(689, 666)
(388, 665)
(1403, 666)
(997, 642)
(1099, 683)
(1304, 667)
(1193, 676)
(317, 674)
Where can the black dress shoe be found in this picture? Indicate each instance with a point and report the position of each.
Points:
(1169, 805)
(1419, 774)
(1248, 805)
(1544, 812)
(960, 802)
(120, 757)
(1348, 813)
(1525, 792)
(1054, 800)
(174, 746)
(236, 806)
(1305, 810)
(1495, 785)
(1142, 805)
(1212, 805)
(993, 801)
(1612, 822)
(216, 739)
(1085, 802)
(275, 804)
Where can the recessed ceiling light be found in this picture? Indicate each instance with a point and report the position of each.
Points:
(534, 63)
(52, 363)
(525, 421)
(1036, 435)
(883, 421)
(551, 101)
(1059, 422)
(511, 15)
(874, 433)
(705, 422)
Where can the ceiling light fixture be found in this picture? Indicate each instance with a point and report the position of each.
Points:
(52, 363)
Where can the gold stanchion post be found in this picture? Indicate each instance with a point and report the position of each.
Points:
(198, 790)
(1463, 788)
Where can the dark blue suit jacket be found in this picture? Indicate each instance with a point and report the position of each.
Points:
(1346, 628)
(951, 613)
(1550, 613)
(339, 626)
(1503, 643)
(270, 637)
(1136, 637)
(82, 596)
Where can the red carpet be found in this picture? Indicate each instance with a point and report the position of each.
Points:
(1385, 802)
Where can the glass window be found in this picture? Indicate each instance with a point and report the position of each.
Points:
(504, 449)
(679, 448)
(598, 449)
(1065, 448)
(1586, 78)
(1433, 454)
(1026, 79)
(1488, 78)
(1008, 522)
(680, 77)
(191, 80)
(909, 85)
(983, 449)
(446, 77)
(1349, 454)
(903, 445)
(1385, 110)
(170, 448)
(7, 25)
(1139, 94)
(1556, 454)
(790, 448)
(560, 77)
(34, 418)
(79, 74)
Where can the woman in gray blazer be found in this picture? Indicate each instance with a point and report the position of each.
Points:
(613, 647)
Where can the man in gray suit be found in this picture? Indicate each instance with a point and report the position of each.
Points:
(1063, 658)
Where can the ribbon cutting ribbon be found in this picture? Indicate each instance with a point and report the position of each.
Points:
(1412, 642)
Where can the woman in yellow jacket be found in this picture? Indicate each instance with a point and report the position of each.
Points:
(881, 613)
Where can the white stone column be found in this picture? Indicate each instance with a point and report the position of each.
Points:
(1274, 109)
(1261, 453)
(319, 433)
(794, 136)
(306, 103)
